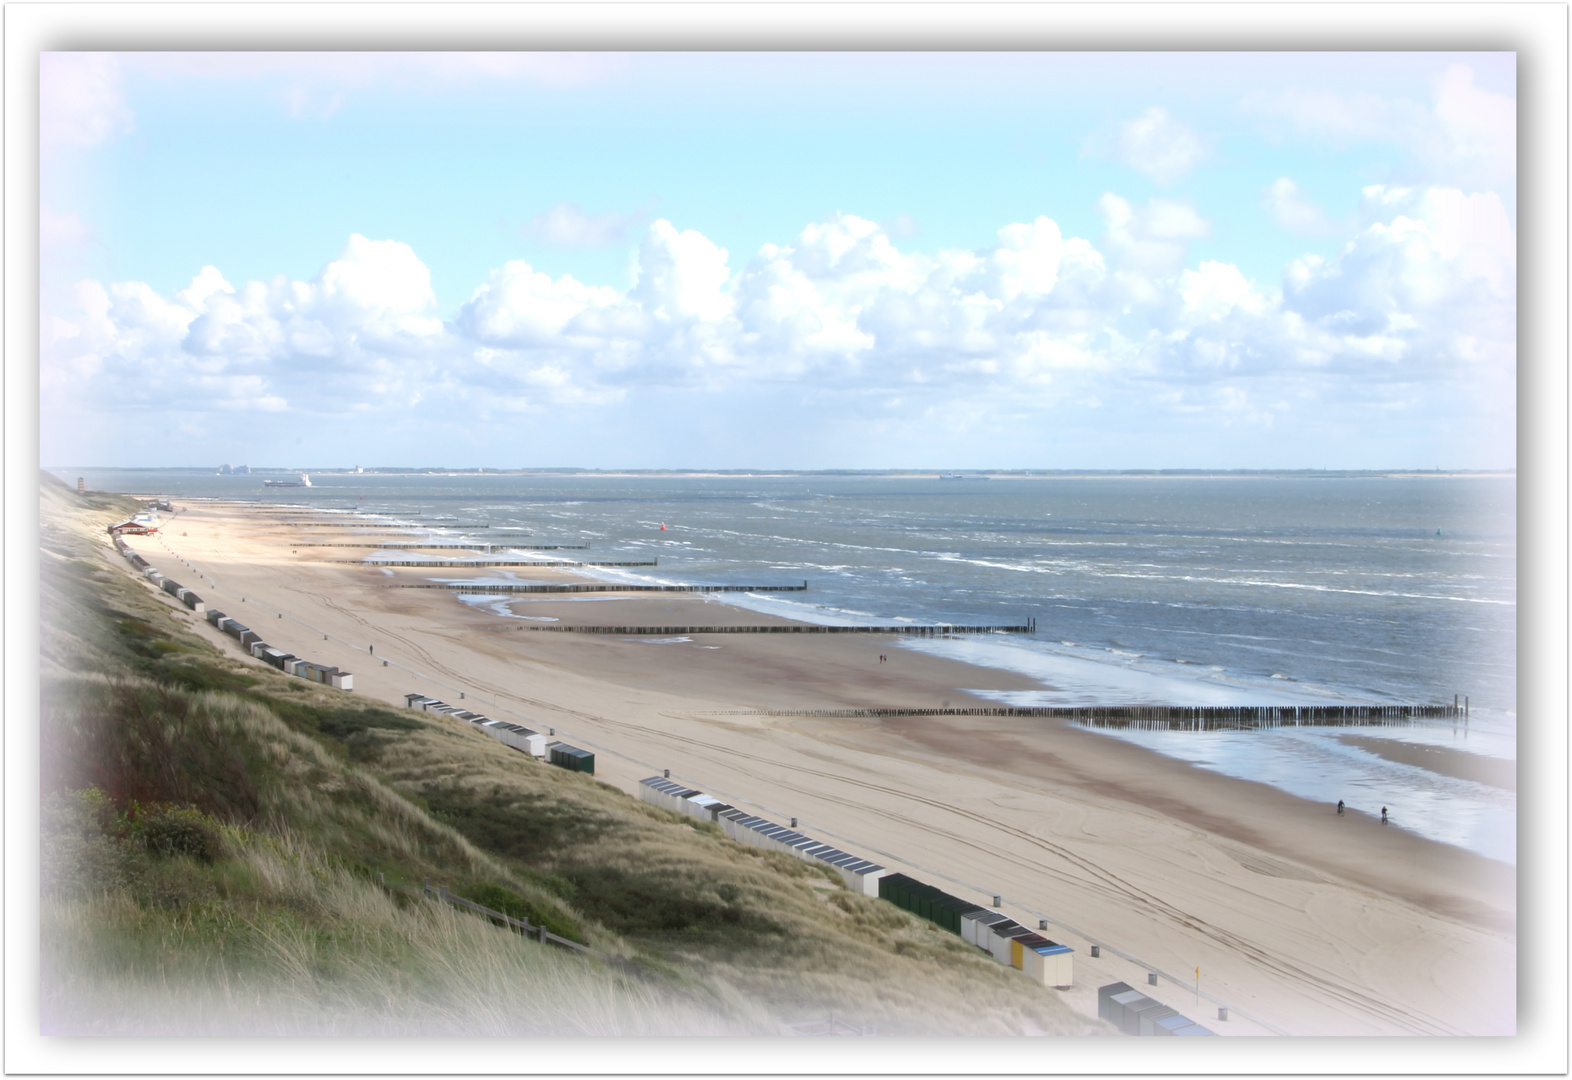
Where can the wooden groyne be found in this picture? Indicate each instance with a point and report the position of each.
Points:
(377, 525)
(440, 564)
(461, 587)
(791, 628)
(399, 546)
(1160, 717)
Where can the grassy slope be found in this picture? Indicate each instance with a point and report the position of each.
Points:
(255, 909)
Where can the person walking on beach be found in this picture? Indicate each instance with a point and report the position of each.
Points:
(1383, 815)
(1339, 807)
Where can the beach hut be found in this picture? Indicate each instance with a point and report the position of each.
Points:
(998, 938)
(213, 615)
(1106, 1009)
(701, 806)
(1117, 1004)
(1151, 1019)
(1052, 964)
(571, 758)
(975, 924)
(860, 875)
(664, 793)
(1138, 1007)
(925, 901)
(341, 680)
(1174, 1025)
(516, 736)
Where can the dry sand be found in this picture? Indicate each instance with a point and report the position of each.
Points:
(1309, 923)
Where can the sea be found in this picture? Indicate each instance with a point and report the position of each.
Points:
(1248, 589)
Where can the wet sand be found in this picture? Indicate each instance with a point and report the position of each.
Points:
(1458, 764)
(1313, 923)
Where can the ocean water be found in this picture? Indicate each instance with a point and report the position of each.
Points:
(1182, 590)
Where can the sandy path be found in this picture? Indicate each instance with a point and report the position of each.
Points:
(1313, 923)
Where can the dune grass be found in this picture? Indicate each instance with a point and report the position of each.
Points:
(214, 832)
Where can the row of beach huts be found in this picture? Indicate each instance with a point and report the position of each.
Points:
(1007, 941)
(249, 639)
(1133, 1013)
(519, 737)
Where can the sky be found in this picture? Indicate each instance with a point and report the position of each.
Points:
(779, 260)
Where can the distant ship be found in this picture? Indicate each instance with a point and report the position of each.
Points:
(304, 481)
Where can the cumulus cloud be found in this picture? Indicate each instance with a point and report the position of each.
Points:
(1150, 240)
(1423, 294)
(1159, 146)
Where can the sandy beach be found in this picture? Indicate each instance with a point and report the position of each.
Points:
(1304, 922)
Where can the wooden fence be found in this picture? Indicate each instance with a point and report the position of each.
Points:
(441, 894)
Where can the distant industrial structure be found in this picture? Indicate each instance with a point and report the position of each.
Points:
(238, 470)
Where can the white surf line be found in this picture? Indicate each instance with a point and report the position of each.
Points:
(1183, 984)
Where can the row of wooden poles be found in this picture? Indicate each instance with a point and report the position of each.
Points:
(401, 546)
(794, 628)
(385, 526)
(1163, 717)
(597, 588)
(439, 563)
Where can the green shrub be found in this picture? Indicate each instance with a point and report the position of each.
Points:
(164, 829)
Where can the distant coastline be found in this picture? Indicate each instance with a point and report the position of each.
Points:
(892, 474)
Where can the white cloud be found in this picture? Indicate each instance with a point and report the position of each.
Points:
(1423, 296)
(523, 308)
(566, 225)
(81, 100)
(1463, 135)
(1290, 209)
(1159, 146)
(1150, 240)
(1480, 127)
(681, 275)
